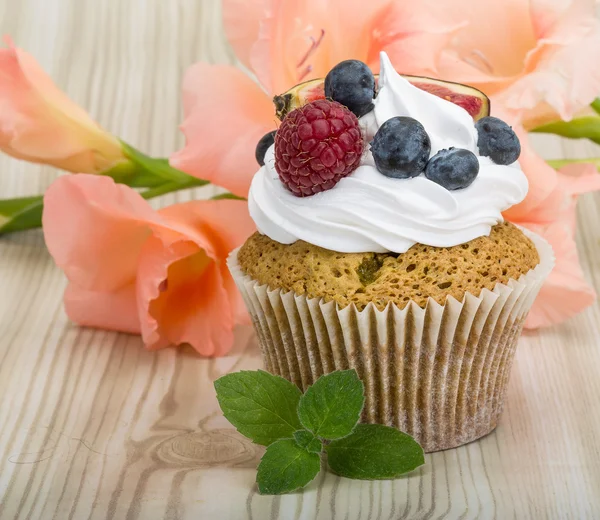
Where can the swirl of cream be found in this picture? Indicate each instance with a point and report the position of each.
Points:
(369, 212)
(446, 124)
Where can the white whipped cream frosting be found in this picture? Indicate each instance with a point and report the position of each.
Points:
(369, 212)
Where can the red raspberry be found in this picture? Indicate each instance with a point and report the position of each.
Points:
(317, 145)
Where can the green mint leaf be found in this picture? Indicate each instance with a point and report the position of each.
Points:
(308, 441)
(374, 452)
(331, 407)
(260, 405)
(285, 467)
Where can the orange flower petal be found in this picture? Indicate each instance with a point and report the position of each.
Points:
(480, 58)
(540, 62)
(40, 123)
(226, 114)
(413, 37)
(242, 24)
(561, 76)
(182, 298)
(224, 223)
(542, 179)
(185, 291)
(565, 292)
(104, 310)
(299, 41)
(135, 270)
(95, 229)
(579, 178)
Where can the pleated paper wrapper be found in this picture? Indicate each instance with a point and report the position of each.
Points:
(438, 373)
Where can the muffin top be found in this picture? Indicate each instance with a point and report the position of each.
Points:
(419, 273)
(357, 172)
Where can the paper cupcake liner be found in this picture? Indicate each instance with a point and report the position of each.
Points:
(438, 373)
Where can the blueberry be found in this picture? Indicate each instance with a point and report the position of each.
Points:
(401, 148)
(263, 145)
(497, 140)
(453, 169)
(352, 84)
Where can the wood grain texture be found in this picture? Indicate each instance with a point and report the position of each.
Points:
(94, 427)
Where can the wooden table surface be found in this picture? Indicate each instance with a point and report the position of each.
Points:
(93, 426)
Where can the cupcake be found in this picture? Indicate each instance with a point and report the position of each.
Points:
(381, 247)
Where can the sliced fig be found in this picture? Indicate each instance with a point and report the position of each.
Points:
(298, 96)
(475, 102)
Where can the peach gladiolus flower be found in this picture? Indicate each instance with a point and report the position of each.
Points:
(549, 210)
(39, 123)
(133, 269)
(284, 43)
(536, 58)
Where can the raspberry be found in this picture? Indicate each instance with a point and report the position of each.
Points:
(317, 145)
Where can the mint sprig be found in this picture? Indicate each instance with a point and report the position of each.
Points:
(308, 441)
(297, 428)
(331, 407)
(285, 467)
(260, 405)
(374, 449)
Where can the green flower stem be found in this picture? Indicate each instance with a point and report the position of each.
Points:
(229, 196)
(125, 172)
(138, 170)
(11, 207)
(21, 214)
(587, 127)
(149, 168)
(26, 213)
(557, 164)
(169, 187)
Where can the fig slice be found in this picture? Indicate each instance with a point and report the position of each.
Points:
(475, 102)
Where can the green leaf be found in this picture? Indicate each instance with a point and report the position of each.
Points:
(260, 405)
(582, 127)
(21, 214)
(374, 452)
(331, 407)
(285, 467)
(308, 441)
(596, 105)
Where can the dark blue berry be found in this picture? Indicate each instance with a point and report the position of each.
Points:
(497, 140)
(352, 84)
(401, 148)
(263, 145)
(453, 169)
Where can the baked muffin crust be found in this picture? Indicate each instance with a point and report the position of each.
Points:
(422, 272)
